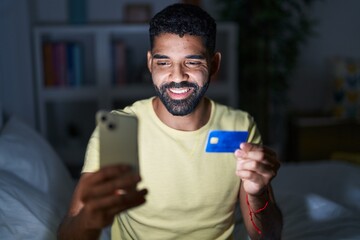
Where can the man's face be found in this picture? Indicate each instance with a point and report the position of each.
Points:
(180, 69)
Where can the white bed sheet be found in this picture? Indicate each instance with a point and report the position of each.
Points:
(35, 186)
(26, 212)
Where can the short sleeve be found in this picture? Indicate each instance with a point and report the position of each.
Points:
(92, 159)
(254, 133)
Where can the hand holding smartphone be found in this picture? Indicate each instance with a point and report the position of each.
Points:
(118, 134)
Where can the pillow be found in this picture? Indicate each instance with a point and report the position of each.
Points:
(26, 212)
(26, 154)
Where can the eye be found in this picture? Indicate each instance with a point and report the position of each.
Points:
(193, 63)
(162, 63)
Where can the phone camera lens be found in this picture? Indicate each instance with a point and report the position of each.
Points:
(111, 126)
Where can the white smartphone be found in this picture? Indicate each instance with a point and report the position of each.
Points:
(118, 134)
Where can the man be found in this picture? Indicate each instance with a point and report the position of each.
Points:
(190, 194)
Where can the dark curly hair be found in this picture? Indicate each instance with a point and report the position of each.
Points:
(184, 19)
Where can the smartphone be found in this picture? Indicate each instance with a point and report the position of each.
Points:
(118, 134)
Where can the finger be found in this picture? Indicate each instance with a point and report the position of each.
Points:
(251, 147)
(93, 183)
(102, 211)
(250, 176)
(257, 152)
(261, 156)
(127, 201)
(108, 172)
(125, 183)
(257, 167)
(116, 201)
(245, 146)
(253, 182)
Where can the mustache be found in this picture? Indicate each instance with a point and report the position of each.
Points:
(183, 84)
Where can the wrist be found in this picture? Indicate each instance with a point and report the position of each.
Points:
(264, 192)
(258, 200)
(256, 205)
(88, 229)
(73, 227)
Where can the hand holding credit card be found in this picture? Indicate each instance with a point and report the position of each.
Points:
(220, 141)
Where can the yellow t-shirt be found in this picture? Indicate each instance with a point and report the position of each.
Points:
(192, 194)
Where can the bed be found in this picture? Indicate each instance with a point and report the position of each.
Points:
(324, 205)
(319, 200)
(35, 186)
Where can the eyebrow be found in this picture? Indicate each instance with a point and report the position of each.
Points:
(159, 56)
(194, 56)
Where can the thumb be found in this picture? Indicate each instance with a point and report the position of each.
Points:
(245, 146)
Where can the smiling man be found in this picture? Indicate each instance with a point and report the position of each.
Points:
(180, 71)
(183, 192)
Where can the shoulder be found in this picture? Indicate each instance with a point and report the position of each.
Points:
(139, 107)
(227, 113)
(229, 118)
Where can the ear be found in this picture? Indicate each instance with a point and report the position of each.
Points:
(215, 64)
(149, 61)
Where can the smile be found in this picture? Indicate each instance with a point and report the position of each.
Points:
(179, 90)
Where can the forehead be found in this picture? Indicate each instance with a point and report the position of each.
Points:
(168, 42)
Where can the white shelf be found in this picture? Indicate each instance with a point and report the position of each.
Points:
(69, 93)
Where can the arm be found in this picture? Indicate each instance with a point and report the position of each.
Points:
(97, 198)
(257, 166)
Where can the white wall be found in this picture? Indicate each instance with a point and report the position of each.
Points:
(101, 10)
(16, 76)
(338, 34)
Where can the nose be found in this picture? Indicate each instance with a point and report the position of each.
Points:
(178, 74)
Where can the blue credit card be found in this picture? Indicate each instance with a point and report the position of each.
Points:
(225, 141)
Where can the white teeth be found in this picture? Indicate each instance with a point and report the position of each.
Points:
(179, 90)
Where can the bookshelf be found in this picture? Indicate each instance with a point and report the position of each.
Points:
(80, 69)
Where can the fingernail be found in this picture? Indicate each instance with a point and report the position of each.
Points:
(120, 192)
(241, 154)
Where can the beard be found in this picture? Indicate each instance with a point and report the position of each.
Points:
(181, 107)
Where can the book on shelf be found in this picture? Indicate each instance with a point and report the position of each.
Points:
(63, 64)
(119, 62)
(59, 61)
(75, 64)
(48, 66)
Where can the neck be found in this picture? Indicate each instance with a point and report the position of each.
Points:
(191, 122)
